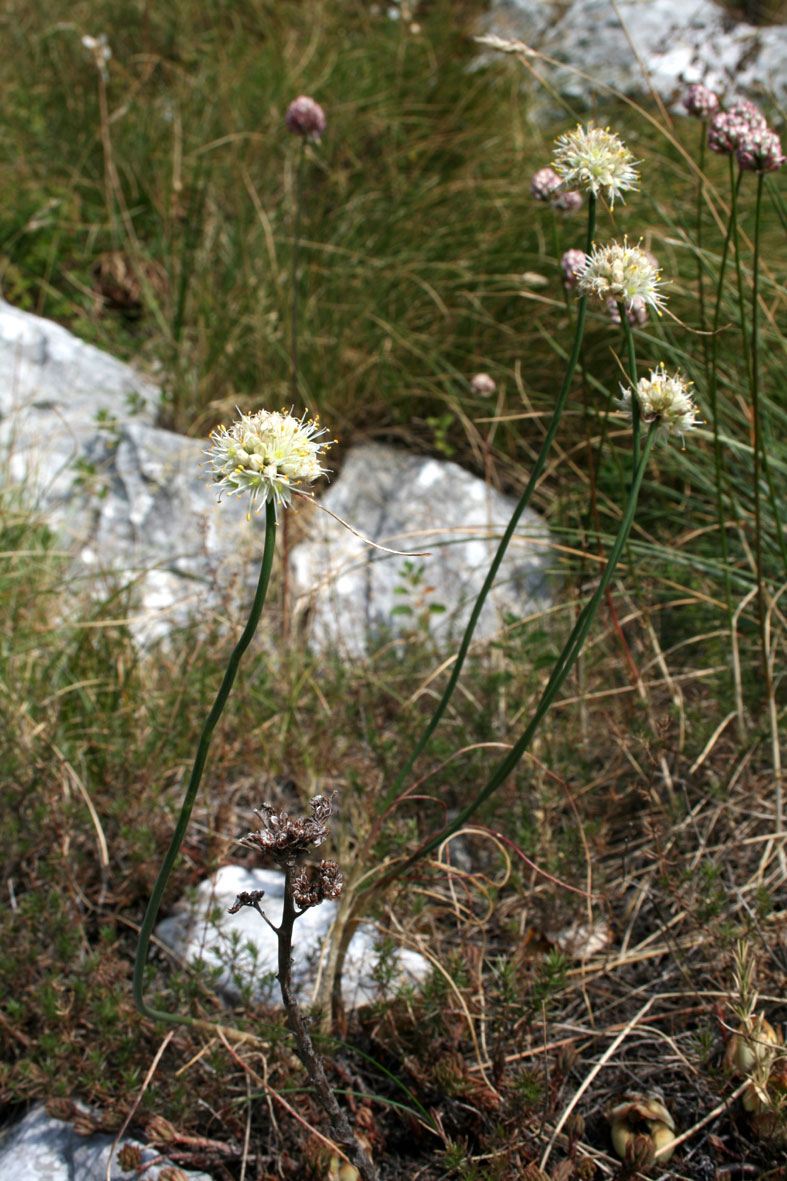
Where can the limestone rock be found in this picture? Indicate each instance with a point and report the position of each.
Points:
(243, 949)
(78, 440)
(678, 42)
(357, 596)
(40, 1148)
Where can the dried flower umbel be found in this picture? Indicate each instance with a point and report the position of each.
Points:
(266, 456)
(623, 273)
(663, 399)
(288, 838)
(594, 159)
(305, 117)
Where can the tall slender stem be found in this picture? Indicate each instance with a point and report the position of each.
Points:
(713, 398)
(198, 767)
(758, 451)
(568, 656)
(303, 1042)
(296, 245)
(632, 367)
(535, 474)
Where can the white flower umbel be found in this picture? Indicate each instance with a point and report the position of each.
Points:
(623, 273)
(266, 456)
(663, 399)
(593, 158)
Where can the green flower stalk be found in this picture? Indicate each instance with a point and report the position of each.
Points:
(266, 456)
(666, 406)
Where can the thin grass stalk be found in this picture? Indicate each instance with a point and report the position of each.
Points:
(563, 665)
(198, 767)
(535, 474)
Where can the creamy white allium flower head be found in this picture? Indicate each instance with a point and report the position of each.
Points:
(623, 273)
(593, 158)
(266, 456)
(663, 399)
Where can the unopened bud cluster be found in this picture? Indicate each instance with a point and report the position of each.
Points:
(305, 117)
(742, 130)
(546, 185)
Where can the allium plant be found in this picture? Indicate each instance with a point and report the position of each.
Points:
(664, 403)
(483, 384)
(760, 150)
(594, 159)
(623, 273)
(602, 165)
(266, 456)
(636, 312)
(728, 129)
(305, 117)
(700, 102)
(571, 266)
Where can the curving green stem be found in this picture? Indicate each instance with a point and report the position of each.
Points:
(571, 649)
(535, 474)
(200, 758)
(632, 366)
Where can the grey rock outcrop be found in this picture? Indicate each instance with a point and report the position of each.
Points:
(357, 596)
(243, 949)
(676, 41)
(39, 1148)
(78, 440)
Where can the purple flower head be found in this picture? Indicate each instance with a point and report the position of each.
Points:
(545, 184)
(568, 202)
(729, 128)
(636, 312)
(760, 151)
(700, 102)
(483, 384)
(571, 264)
(305, 117)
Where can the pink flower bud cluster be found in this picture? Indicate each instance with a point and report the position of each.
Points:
(546, 186)
(572, 262)
(760, 151)
(729, 128)
(305, 117)
(483, 384)
(636, 312)
(700, 102)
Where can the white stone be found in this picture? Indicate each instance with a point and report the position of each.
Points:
(39, 1148)
(78, 442)
(678, 41)
(242, 946)
(354, 594)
